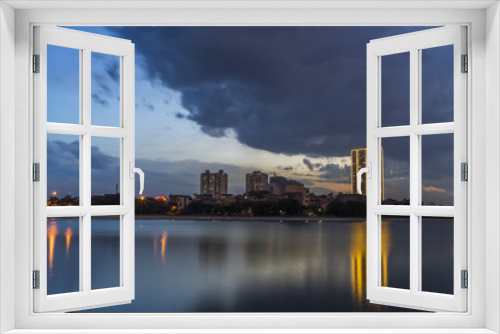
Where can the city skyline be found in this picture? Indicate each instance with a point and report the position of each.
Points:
(253, 98)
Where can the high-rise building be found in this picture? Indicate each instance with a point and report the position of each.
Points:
(256, 181)
(213, 184)
(277, 185)
(358, 161)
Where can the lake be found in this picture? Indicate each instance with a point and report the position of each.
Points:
(250, 266)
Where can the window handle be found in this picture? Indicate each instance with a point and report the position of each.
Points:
(139, 171)
(361, 171)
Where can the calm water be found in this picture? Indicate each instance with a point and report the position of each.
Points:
(249, 266)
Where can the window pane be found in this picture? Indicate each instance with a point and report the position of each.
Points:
(395, 93)
(437, 84)
(63, 255)
(105, 247)
(63, 170)
(105, 90)
(437, 169)
(63, 85)
(105, 171)
(437, 254)
(395, 157)
(395, 252)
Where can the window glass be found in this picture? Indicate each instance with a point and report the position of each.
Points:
(105, 90)
(395, 95)
(395, 170)
(63, 255)
(395, 252)
(63, 85)
(105, 171)
(437, 84)
(437, 254)
(63, 170)
(437, 169)
(105, 252)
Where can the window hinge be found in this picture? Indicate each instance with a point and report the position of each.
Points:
(465, 279)
(36, 63)
(36, 172)
(36, 279)
(465, 64)
(464, 170)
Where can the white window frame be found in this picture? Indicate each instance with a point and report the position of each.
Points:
(85, 43)
(414, 44)
(482, 19)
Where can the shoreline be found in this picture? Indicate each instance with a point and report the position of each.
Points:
(263, 218)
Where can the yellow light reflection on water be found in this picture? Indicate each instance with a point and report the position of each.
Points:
(385, 251)
(358, 262)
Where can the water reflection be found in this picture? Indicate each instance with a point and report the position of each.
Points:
(68, 234)
(51, 236)
(155, 244)
(395, 252)
(385, 251)
(164, 236)
(358, 262)
(235, 266)
(63, 255)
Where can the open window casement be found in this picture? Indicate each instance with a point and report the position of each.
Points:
(378, 289)
(84, 295)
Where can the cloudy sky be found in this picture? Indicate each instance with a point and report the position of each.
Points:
(284, 100)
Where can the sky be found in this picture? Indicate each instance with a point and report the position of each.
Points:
(284, 100)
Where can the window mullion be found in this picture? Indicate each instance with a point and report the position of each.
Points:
(85, 168)
(415, 170)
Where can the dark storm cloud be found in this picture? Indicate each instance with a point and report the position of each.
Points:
(106, 80)
(100, 160)
(162, 177)
(308, 164)
(100, 100)
(63, 158)
(148, 105)
(335, 173)
(291, 90)
(113, 70)
(63, 168)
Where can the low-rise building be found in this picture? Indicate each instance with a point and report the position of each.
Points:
(182, 200)
(344, 198)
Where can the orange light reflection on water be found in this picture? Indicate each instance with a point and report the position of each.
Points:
(51, 235)
(164, 237)
(68, 234)
(155, 245)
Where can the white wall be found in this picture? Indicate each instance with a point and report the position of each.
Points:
(486, 162)
(492, 165)
(7, 160)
